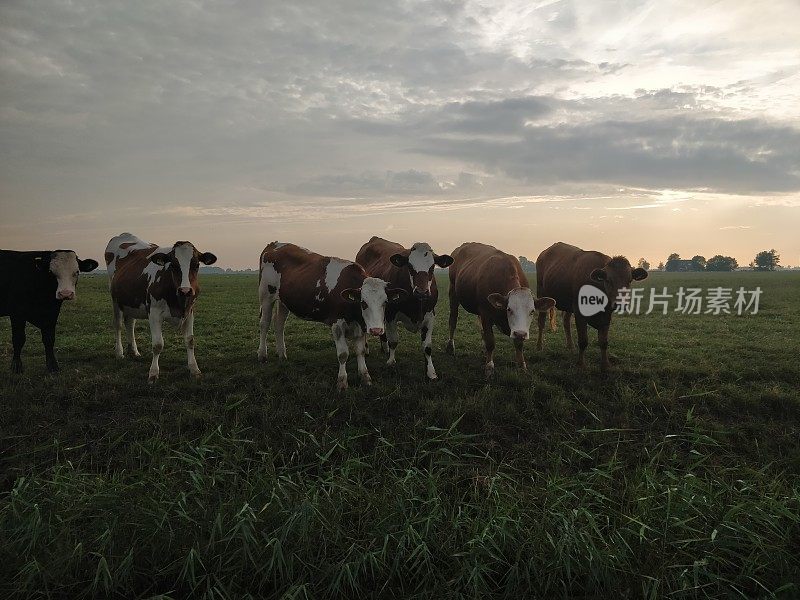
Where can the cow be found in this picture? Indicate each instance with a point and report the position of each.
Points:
(410, 269)
(327, 290)
(490, 283)
(33, 285)
(156, 283)
(562, 270)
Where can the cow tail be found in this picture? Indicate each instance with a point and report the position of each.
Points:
(552, 312)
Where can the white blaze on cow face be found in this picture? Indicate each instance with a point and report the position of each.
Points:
(64, 265)
(421, 261)
(184, 253)
(373, 305)
(520, 304)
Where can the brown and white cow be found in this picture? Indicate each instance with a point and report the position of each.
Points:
(325, 289)
(410, 269)
(157, 283)
(490, 283)
(562, 270)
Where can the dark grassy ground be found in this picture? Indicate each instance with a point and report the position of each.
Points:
(677, 475)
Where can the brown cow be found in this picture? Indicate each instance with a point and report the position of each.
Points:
(154, 283)
(325, 289)
(490, 283)
(410, 269)
(562, 270)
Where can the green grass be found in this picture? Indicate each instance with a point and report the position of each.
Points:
(675, 476)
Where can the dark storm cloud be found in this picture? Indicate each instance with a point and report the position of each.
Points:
(156, 102)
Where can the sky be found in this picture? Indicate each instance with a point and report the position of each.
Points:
(635, 128)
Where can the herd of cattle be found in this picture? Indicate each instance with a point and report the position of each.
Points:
(387, 284)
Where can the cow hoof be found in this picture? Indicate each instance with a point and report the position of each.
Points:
(341, 384)
(52, 368)
(450, 348)
(489, 372)
(134, 353)
(432, 377)
(282, 356)
(391, 362)
(198, 375)
(152, 379)
(262, 359)
(16, 366)
(366, 380)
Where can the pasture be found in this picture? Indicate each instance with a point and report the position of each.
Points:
(674, 476)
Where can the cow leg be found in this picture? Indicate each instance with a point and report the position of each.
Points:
(384, 344)
(519, 355)
(49, 341)
(426, 333)
(267, 308)
(488, 344)
(188, 338)
(118, 352)
(450, 348)
(567, 316)
(280, 325)
(18, 341)
(602, 338)
(392, 339)
(342, 352)
(583, 337)
(130, 333)
(541, 321)
(360, 347)
(156, 323)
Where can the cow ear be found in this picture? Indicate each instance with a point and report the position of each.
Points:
(443, 261)
(498, 300)
(159, 258)
(87, 264)
(207, 258)
(638, 274)
(351, 294)
(544, 304)
(598, 275)
(396, 294)
(398, 260)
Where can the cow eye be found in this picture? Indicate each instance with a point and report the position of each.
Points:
(363, 305)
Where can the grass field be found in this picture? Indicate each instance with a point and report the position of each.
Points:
(675, 476)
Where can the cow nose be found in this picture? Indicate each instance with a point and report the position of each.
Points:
(376, 331)
(65, 295)
(520, 335)
(185, 291)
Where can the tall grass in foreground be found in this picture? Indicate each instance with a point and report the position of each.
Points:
(355, 515)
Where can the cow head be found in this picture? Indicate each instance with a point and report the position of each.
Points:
(374, 294)
(616, 275)
(65, 265)
(420, 261)
(182, 264)
(520, 304)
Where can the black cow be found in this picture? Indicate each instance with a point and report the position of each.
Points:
(32, 287)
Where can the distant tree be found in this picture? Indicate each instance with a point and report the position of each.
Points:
(644, 264)
(528, 266)
(766, 260)
(721, 263)
(660, 266)
(673, 256)
(699, 262)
